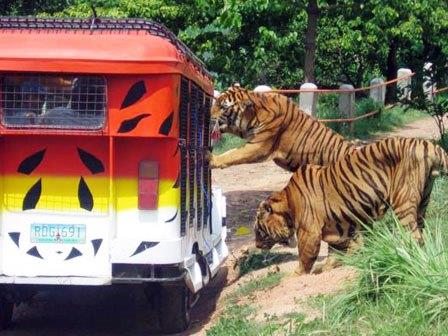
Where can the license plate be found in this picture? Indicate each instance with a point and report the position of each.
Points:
(58, 233)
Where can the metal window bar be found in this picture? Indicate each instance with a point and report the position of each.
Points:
(183, 135)
(207, 176)
(192, 151)
(200, 159)
(53, 101)
(105, 24)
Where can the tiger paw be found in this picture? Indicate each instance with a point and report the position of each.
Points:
(299, 270)
(214, 162)
(210, 158)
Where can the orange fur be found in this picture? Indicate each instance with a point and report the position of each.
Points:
(328, 203)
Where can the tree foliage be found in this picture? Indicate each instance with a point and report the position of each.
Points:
(263, 41)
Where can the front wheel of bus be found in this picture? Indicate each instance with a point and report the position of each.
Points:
(174, 308)
(6, 310)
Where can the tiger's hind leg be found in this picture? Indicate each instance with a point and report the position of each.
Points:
(407, 214)
(421, 210)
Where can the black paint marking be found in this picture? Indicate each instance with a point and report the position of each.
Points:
(136, 92)
(59, 252)
(129, 124)
(91, 162)
(176, 184)
(84, 195)
(144, 246)
(34, 252)
(31, 162)
(96, 245)
(171, 219)
(166, 125)
(32, 196)
(177, 150)
(15, 236)
(73, 254)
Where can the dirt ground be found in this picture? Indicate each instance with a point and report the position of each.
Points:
(124, 311)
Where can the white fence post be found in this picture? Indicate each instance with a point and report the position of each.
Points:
(347, 103)
(378, 94)
(428, 86)
(262, 88)
(404, 85)
(308, 99)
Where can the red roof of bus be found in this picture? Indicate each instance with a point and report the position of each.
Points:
(110, 47)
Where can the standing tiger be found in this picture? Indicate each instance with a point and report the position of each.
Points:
(328, 203)
(274, 127)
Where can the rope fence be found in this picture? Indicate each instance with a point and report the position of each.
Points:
(309, 94)
(346, 102)
(436, 92)
(366, 88)
(349, 120)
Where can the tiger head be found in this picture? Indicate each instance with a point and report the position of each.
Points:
(274, 222)
(230, 108)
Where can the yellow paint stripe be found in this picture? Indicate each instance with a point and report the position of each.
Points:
(127, 197)
(61, 193)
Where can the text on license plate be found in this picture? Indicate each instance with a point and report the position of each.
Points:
(58, 233)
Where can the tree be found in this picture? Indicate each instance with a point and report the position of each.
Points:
(312, 11)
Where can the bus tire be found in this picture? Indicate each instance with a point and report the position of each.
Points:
(174, 308)
(6, 311)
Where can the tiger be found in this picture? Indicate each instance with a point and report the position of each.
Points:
(273, 127)
(330, 202)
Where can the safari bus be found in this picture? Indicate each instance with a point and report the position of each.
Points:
(104, 125)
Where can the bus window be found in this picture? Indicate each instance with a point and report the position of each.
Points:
(50, 101)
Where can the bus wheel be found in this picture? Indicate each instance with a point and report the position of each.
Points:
(6, 310)
(174, 308)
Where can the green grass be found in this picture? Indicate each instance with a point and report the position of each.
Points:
(401, 288)
(227, 142)
(257, 259)
(257, 284)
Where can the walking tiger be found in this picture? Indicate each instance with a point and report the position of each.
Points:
(329, 202)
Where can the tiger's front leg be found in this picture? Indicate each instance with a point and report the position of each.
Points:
(309, 247)
(249, 153)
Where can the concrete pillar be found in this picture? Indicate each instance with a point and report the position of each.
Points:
(347, 103)
(262, 88)
(378, 94)
(428, 86)
(308, 100)
(404, 85)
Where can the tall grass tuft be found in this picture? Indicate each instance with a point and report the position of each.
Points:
(393, 266)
